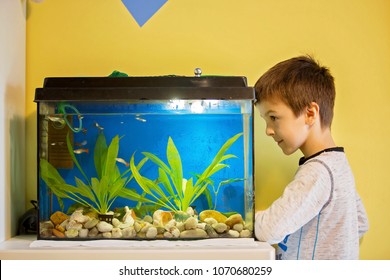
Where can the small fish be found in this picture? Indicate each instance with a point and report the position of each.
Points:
(121, 160)
(140, 119)
(55, 119)
(57, 143)
(81, 144)
(98, 126)
(81, 150)
(56, 122)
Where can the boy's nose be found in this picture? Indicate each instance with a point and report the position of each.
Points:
(269, 131)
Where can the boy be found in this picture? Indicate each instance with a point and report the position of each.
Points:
(320, 214)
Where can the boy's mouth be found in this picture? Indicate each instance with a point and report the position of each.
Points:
(279, 141)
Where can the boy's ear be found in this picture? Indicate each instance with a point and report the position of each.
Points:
(312, 113)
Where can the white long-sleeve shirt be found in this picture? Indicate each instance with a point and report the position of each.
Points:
(320, 214)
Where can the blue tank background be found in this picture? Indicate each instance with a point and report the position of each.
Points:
(198, 138)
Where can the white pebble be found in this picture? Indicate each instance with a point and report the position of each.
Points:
(83, 233)
(74, 225)
(152, 232)
(220, 227)
(190, 223)
(234, 233)
(116, 233)
(115, 222)
(175, 232)
(238, 227)
(190, 211)
(91, 223)
(93, 232)
(71, 233)
(129, 232)
(201, 225)
(210, 221)
(104, 226)
(180, 226)
(137, 226)
(245, 233)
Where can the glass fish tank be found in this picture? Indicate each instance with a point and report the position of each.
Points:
(145, 158)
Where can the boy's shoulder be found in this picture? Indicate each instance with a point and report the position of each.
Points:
(333, 161)
(328, 154)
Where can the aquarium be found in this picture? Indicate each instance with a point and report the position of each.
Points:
(140, 158)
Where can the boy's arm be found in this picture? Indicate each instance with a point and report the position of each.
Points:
(362, 217)
(301, 201)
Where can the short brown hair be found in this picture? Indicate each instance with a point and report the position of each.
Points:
(298, 82)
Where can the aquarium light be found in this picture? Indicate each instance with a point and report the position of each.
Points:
(177, 104)
(197, 107)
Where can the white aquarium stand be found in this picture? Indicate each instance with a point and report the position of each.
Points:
(24, 248)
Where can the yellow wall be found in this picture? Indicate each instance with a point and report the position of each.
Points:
(229, 37)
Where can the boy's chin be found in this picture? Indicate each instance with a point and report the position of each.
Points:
(288, 152)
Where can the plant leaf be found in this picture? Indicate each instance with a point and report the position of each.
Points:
(163, 178)
(209, 199)
(216, 168)
(84, 189)
(157, 161)
(133, 195)
(139, 166)
(174, 161)
(198, 193)
(49, 174)
(100, 149)
(229, 181)
(150, 187)
(218, 158)
(112, 154)
(188, 195)
(53, 180)
(115, 189)
(72, 155)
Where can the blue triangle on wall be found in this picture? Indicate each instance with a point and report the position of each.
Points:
(142, 10)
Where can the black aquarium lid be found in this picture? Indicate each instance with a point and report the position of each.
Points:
(144, 88)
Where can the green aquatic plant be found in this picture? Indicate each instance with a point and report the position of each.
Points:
(97, 193)
(215, 191)
(170, 190)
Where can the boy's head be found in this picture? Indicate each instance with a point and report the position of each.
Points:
(298, 82)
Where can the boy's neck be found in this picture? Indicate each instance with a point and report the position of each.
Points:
(318, 140)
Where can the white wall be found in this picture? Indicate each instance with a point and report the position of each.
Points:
(12, 114)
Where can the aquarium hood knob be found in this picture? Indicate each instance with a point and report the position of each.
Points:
(197, 72)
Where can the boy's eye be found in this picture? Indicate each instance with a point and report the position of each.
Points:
(273, 118)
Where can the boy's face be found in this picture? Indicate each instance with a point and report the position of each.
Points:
(290, 132)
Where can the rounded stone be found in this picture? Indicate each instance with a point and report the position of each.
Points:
(104, 226)
(58, 217)
(58, 233)
(234, 233)
(71, 233)
(151, 232)
(220, 227)
(91, 223)
(83, 233)
(129, 232)
(218, 216)
(193, 233)
(234, 219)
(116, 233)
(190, 223)
(245, 233)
